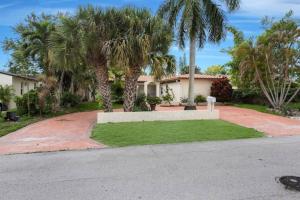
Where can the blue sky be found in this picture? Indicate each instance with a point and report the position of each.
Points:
(246, 19)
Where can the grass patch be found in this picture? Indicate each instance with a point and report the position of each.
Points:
(166, 132)
(8, 127)
(265, 109)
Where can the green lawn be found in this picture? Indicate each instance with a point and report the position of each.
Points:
(159, 132)
(264, 109)
(8, 127)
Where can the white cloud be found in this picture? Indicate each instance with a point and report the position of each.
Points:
(276, 8)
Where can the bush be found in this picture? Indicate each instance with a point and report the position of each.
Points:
(169, 96)
(117, 90)
(249, 96)
(200, 99)
(153, 100)
(140, 103)
(69, 100)
(222, 90)
(184, 100)
(28, 103)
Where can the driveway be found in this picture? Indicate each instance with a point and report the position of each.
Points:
(68, 132)
(271, 125)
(228, 170)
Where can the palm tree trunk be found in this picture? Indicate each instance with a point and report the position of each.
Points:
(60, 88)
(104, 87)
(130, 89)
(191, 105)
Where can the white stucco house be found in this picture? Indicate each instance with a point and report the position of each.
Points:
(178, 84)
(20, 84)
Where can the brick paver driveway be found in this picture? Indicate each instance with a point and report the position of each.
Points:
(271, 125)
(68, 132)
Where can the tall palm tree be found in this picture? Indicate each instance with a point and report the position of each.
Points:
(200, 20)
(98, 27)
(144, 43)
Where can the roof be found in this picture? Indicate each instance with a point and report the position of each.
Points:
(197, 76)
(145, 78)
(19, 76)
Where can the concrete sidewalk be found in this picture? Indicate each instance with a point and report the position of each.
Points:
(229, 170)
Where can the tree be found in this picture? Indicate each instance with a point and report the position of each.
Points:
(273, 60)
(184, 68)
(98, 27)
(200, 20)
(144, 44)
(222, 90)
(216, 70)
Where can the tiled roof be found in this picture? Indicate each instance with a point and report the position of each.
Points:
(145, 78)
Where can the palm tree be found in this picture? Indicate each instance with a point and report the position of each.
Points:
(144, 43)
(66, 55)
(6, 94)
(98, 27)
(200, 20)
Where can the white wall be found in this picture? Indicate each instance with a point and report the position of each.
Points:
(5, 80)
(175, 87)
(181, 89)
(202, 87)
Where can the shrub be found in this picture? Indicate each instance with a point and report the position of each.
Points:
(200, 99)
(117, 90)
(184, 100)
(140, 103)
(69, 100)
(28, 103)
(153, 100)
(169, 96)
(249, 96)
(222, 90)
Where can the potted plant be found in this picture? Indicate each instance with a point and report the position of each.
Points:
(153, 101)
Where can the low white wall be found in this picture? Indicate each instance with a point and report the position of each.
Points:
(115, 117)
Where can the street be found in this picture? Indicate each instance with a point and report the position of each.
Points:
(233, 170)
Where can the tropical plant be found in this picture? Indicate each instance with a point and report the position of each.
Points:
(140, 103)
(153, 100)
(273, 60)
(28, 103)
(200, 99)
(168, 96)
(6, 94)
(70, 100)
(97, 27)
(216, 70)
(200, 20)
(145, 44)
(222, 90)
(184, 68)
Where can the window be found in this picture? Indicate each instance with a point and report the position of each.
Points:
(22, 88)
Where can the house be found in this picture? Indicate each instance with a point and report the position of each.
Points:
(179, 85)
(20, 84)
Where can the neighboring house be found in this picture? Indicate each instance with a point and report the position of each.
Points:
(20, 84)
(178, 84)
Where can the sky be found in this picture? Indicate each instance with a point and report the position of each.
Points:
(246, 19)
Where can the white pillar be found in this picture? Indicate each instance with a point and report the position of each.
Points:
(146, 88)
(157, 89)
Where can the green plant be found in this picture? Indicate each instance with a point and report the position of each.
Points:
(117, 89)
(69, 100)
(140, 103)
(200, 99)
(28, 103)
(6, 94)
(222, 90)
(183, 100)
(169, 95)
(153, 100)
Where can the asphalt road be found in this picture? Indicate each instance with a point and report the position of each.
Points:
(244, 169)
